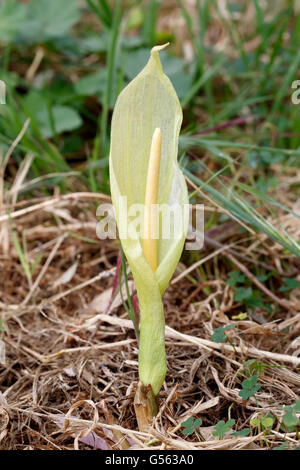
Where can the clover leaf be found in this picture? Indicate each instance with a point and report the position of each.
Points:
(190, 425)
(222, 427)
(219, 335)
(289, 284)
(250, 388)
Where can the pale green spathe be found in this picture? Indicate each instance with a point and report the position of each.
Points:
(148, 102)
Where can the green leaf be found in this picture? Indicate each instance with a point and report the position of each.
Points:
(65, 119)
(289, 284)
(219, 335)
(263, 157)
(267, 422)
(94, 43)
(12, 17)
(254, 300)
(235, 277)
(253, 367)
(290, 419)
(190, 425)
(91, 84)
(254, 422)
(263, 185)
(95, 84)
(264, 422)
(188, 431)
(197, 423)
(48, 19)
(221, 428)
(281, 447)
(51, 120)
(242, 293)
(296, 406)
(262, 278)
(249, 387)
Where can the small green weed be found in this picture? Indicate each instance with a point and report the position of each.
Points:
(289, 284)
(253, 367)
(263, 422)
(250, 387)
(245, 294)
(290, 419)
(282, 446)
(235, 277)
(190, 425)
(219, 335)
(222, 427)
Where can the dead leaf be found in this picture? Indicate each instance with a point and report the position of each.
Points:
(2, 352)
(100, 302)
(66, 276)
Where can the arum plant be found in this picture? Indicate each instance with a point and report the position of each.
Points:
(144, 175)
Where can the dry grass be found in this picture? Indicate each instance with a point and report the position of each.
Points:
(70, 367)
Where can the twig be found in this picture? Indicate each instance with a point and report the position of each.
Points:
(43, 270)
(52, 202)
(49, 357)
(99, 276)
(38, 57)
(225, 125)
(197, 264)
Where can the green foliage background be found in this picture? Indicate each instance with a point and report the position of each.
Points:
(65, 66)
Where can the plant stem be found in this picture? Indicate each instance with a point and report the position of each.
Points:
(145, 405)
